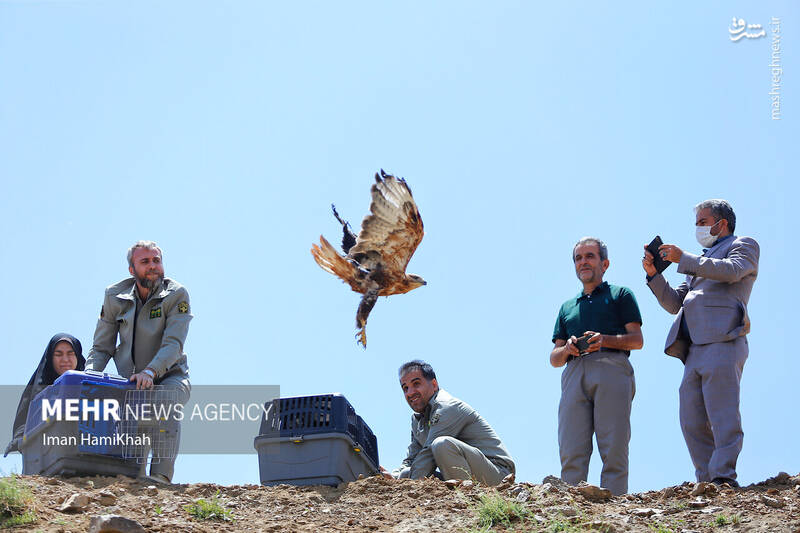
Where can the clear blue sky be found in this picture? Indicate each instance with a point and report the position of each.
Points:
(223, 131)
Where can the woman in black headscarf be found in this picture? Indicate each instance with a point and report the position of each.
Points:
(63, 352)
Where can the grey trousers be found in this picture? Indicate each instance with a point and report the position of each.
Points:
(709, 407)
(596, 394)
(179, 383)
(458, 460)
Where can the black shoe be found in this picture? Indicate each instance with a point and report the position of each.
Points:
(722, 480)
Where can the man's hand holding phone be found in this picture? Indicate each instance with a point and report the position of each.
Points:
(589, 342)
(571, 347)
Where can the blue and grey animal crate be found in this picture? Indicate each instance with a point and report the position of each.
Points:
(61, 447)
(314, 440)
(95, 443)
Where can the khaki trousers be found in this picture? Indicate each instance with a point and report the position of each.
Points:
(459, 460)
(596, 394)
(180, 383)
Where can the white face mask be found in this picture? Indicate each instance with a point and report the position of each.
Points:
(704, 237)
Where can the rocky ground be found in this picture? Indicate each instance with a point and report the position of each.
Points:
(375, 504)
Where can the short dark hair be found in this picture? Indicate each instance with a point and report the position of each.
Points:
(719, 209)
(417, 364)
(601, 246)
(148, 245)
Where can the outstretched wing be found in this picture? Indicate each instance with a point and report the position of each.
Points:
(329, 259)
(394, 227)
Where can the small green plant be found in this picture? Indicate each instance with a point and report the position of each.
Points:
(659, 527)
(721, 520)
(493, 509)
(563, 524)
(158, 510)
(209, 509)
(16, 503)
(558, 525)
(28, 517)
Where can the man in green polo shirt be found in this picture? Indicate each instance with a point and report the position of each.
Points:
(597, 386)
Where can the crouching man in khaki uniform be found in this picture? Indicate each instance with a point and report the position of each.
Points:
(448, 434)
(151, 315)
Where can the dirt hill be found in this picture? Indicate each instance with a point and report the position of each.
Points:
(375, 504)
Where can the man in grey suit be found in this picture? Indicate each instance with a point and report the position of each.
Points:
(708, 335)
(151, 315)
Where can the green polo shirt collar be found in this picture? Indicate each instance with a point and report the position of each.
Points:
(600, 289)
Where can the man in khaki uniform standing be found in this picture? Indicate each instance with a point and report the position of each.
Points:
(151, 315)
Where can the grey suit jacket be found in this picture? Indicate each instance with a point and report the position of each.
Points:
(161, 328)
(713, 298)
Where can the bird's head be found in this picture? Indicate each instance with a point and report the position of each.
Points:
(415, 281)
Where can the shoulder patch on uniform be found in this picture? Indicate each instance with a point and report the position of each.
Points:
(155, 312)
(183, 307)
(434, 419)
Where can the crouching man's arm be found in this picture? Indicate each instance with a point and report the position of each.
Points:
(404, 470)
(445, 421)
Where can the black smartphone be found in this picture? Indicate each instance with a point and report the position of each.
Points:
(582, 344)
(660, 264)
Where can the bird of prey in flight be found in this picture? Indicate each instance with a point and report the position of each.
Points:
(374, 263)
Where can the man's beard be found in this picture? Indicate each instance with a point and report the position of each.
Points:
(590, 279)
(149, 284)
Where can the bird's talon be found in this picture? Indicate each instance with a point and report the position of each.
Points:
(361, 337)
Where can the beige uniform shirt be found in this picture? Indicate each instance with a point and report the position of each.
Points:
(152, 337)
(447, 416)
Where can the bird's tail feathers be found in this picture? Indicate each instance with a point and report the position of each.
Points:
(329, 260)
